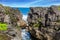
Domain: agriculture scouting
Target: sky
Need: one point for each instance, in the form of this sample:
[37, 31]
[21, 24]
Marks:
[29, 3]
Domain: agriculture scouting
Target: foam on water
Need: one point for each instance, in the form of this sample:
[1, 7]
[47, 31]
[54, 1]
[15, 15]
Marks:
[25, 35]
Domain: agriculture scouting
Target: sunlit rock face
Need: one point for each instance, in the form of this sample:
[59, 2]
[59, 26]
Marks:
[36, 13]
[46, 13]
[50, 19]
[11, 17]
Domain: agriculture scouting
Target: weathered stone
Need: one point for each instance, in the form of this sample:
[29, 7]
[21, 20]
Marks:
[50, 22]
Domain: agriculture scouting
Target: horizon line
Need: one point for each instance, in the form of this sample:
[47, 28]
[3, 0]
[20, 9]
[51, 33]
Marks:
[32, 6]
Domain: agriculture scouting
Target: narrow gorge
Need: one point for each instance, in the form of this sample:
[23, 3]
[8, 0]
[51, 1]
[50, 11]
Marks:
[43, 23]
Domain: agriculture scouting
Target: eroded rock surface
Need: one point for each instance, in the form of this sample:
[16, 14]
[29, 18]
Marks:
[11, 16]
[48, 19]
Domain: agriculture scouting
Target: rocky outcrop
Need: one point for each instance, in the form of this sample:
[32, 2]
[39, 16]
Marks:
[11, 17]
[47, 19]
[46, 13]
[4, 37]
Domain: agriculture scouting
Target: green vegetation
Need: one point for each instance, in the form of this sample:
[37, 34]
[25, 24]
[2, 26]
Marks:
[36, 25]
[1, 5]
[59, 8]
[12, 12]
[3, 26]
[39, 23]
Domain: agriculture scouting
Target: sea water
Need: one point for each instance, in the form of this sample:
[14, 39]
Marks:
[25, 35]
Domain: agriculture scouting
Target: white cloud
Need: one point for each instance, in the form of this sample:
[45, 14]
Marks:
[29, 4]
[35, 3]
[21, 4]
[25, 17]
[57, 4]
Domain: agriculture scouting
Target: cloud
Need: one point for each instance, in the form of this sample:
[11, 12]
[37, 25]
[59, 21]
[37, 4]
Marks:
[35, 3]
[43, 3]
[20, 4]
[25, 17]
[57, 4]
[32, 2]
[12, 4]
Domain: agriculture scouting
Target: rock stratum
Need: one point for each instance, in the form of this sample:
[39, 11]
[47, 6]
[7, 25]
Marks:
[13, 18]
[44, 22]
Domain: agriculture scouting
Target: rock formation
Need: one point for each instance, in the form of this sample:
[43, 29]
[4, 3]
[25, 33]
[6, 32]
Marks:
[12, 17]
[47, 20]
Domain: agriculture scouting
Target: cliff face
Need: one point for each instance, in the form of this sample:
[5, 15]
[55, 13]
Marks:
[12, 17]
[36, 13]
[45, 13]
[47, 19]
[9, 15]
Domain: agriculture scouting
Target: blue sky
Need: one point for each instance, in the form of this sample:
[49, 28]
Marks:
[25, 4]
[29, 3]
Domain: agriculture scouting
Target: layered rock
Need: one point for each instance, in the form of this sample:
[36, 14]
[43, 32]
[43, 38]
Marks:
[48, 19]
[11, 17]
[45, 13]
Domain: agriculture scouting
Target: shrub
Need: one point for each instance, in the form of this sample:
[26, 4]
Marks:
[36, 25]
[3, 26]
[59, 8]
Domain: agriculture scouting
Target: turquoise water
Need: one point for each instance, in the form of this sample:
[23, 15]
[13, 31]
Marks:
[24, 11]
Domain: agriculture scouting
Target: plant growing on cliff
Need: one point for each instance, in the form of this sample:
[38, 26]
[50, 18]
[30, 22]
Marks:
[58, 21]
[38, 24]
[39, 19]
[3, 26]
[59, 8]
[1, 5]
